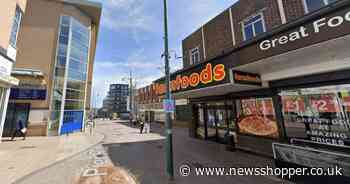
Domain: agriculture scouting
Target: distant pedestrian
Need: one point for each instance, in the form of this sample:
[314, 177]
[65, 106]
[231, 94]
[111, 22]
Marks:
[142, 124]
[20, 129]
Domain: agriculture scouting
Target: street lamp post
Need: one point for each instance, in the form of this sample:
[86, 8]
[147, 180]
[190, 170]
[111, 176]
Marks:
[130, 99]
[168, 123]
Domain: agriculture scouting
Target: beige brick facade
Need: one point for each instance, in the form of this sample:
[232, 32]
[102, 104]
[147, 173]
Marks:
[37, 47]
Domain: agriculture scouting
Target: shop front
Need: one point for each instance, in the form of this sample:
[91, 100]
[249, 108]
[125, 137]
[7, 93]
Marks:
[6, 81]
[285, 94]
[27, 103]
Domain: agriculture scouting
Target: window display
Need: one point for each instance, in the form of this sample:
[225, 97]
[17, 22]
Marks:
[318, 114]
[200, 129]
[256, 116]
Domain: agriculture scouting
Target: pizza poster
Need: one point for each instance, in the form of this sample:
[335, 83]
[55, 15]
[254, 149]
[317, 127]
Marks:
[257, 118]
[258, 106]
[249, 106]
[265, 107]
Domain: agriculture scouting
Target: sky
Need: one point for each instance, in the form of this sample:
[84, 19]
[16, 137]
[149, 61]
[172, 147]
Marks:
[131, 38]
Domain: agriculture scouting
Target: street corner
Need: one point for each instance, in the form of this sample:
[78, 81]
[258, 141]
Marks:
[108, 174]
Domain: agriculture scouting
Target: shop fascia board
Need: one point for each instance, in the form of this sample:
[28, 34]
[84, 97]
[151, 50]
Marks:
[324, 57]
[222, 89]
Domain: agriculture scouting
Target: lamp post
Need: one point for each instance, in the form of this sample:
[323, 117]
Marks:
[130, 99]
[168, 123]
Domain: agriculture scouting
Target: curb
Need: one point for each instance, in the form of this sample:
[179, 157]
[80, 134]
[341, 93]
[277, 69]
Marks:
[60, 161]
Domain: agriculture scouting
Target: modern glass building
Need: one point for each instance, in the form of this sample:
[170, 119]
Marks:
[70, 79]
[55, 67]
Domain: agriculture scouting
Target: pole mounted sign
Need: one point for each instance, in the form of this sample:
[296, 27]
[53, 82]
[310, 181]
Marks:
[169, 105]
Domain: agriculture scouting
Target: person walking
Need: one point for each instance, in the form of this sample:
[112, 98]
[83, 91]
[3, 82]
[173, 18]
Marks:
[20, 129]
[142, 124]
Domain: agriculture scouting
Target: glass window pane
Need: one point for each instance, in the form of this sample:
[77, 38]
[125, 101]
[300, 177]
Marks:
[249, 34]
[77, 85]
[257, 117]
[65, 20]
[62, 50]
[253, 19]
[73, 105]
[313, 5]
[59, 72]
[74, 95]
[63, 40]
[318, 114]
[258, 27]
[15, 27]
[64, 31]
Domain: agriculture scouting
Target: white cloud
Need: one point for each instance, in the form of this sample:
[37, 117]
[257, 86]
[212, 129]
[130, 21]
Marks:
[128, 15]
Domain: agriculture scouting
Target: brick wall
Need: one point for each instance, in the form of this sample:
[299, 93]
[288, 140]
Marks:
[218, 35]
[192, 41]
[293, 9]
[246, 8]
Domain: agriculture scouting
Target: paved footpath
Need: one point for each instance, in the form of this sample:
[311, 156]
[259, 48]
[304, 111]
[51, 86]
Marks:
[126, 157]
[22, 157]
[145, 159]
[92, 166]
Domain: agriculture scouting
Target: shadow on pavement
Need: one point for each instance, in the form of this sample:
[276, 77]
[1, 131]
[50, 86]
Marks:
[146, 160]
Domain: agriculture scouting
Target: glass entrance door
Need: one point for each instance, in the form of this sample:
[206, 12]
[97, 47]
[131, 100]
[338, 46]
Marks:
[15, 112]
[217, 122]
[211, 124]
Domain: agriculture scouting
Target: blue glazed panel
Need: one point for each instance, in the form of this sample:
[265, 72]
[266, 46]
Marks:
[72, 121]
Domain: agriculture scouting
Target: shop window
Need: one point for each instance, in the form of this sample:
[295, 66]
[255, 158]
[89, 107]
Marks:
[253, 26]
[200, 129]
[15, 27]
[256, 116]
[194, 56]
[318, 114]
[313, 5]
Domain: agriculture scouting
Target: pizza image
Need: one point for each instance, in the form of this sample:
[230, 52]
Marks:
[258, 125]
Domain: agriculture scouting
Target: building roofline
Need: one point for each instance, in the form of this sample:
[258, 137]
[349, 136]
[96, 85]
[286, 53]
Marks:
[91, 8]
[83, 2]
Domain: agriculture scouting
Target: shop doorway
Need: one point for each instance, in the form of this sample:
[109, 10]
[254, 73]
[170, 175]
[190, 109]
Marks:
[15, 112]
[214, 122]
[217, 123]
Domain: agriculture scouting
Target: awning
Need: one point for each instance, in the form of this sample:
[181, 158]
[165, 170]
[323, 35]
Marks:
[9, 80]
[28, 78]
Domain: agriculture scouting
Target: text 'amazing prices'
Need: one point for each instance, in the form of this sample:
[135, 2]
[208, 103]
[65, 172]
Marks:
[208, 75]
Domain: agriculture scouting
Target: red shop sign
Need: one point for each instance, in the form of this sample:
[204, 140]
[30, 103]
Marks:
[293, 104]
[326, 103]
[346, 103]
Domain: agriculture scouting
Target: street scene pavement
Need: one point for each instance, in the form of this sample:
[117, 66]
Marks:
[123, 155]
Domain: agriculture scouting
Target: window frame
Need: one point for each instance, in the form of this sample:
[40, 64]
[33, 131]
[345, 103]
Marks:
[19, 10]
[261, 13]
[306, 7]
[192, 53]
